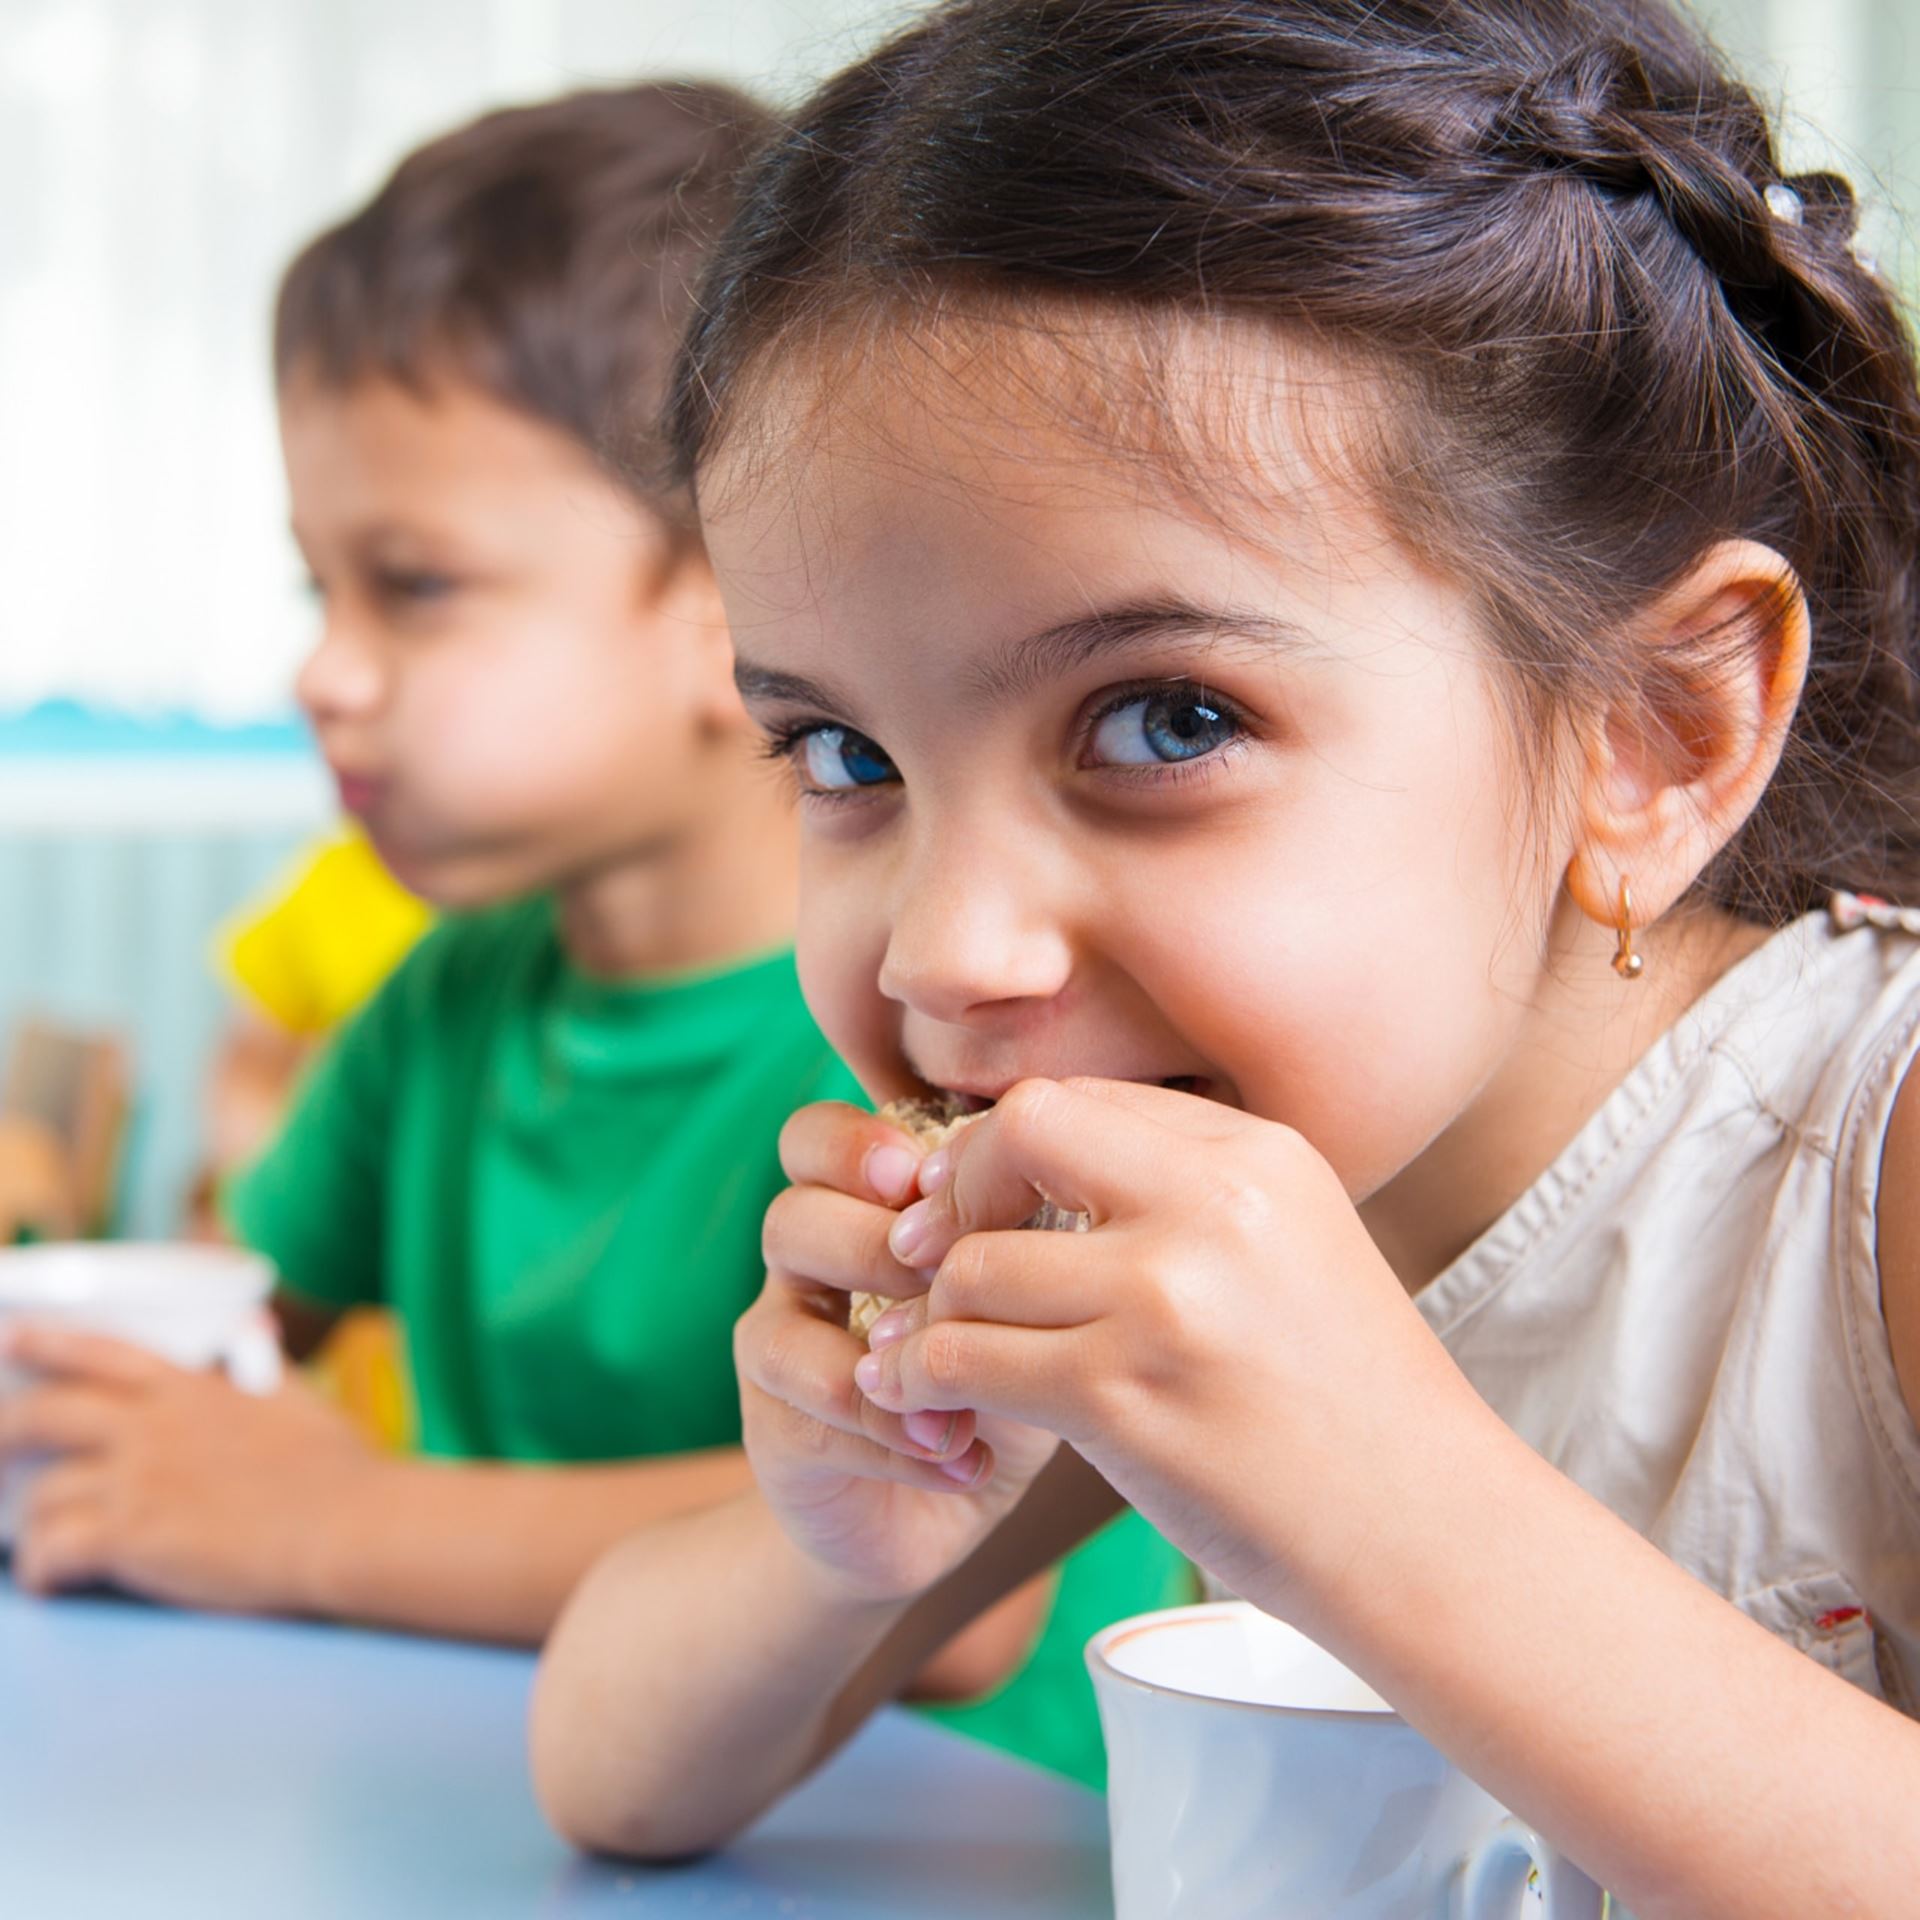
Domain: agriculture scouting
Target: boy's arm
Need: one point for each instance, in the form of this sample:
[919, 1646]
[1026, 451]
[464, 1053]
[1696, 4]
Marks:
[491, 1550]
[707, 1666]
[173, 1484]
[990, 1649]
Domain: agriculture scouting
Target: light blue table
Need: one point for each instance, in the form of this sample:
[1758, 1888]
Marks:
[163, 1766]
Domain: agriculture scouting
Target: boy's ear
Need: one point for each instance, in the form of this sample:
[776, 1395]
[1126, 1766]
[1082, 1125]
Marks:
[1670, 776]
[684, 593]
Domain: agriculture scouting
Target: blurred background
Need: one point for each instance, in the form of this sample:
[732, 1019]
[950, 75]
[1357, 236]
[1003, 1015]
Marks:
[159, 161]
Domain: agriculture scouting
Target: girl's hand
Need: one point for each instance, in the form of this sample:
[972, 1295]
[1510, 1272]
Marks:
[1226, 1345]
[887, 1505]
[171, 1483]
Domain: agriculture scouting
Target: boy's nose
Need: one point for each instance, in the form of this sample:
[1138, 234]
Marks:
[975, 929]
[341, 678]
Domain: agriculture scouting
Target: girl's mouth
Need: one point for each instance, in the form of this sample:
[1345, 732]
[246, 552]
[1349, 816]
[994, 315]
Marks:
[961, 1100]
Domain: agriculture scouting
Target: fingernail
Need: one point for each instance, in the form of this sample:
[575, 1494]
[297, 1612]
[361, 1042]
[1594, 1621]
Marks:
[890, 1173]
[891, 1326]
[968, 1470]
[934, 1431]
[866, 1373]
[911, 1232]
[934, 1170]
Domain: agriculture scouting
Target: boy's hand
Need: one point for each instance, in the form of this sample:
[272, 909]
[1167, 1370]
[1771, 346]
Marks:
[888, 1506]
[1226, 1344]
[170, 1483]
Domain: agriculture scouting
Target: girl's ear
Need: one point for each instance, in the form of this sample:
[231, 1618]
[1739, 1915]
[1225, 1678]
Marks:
[1671, 775]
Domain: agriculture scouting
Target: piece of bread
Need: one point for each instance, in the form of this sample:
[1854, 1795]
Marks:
[933, 1123]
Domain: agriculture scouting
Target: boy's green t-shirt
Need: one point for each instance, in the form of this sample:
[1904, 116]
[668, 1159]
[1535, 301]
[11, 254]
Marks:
[557, 1184]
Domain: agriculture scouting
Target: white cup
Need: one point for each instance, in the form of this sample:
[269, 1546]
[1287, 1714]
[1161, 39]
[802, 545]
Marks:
[196, 1306]
[1250, 1776]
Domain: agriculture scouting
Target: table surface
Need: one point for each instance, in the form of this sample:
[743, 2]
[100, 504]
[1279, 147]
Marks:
[162, 1764]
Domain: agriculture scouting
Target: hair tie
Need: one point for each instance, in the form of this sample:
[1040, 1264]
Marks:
[1784, 204]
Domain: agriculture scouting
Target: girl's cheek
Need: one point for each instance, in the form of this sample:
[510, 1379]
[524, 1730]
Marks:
[840, 943]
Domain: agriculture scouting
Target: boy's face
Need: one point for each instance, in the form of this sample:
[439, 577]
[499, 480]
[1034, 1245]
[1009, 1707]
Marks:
[1098, 783]
[511, 686]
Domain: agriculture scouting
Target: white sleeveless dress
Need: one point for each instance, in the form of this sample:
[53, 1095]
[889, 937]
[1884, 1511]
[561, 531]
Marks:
[1682, 1313]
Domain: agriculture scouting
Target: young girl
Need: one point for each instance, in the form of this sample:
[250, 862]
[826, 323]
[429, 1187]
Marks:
[1339, 581]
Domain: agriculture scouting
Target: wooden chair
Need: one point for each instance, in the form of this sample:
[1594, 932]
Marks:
[64, 1102]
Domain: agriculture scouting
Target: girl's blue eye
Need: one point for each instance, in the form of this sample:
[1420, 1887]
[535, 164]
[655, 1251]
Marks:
[1159, 728]
[838, 758]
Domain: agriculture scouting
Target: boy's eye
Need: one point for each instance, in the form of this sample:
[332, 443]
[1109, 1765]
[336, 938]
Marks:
[837, 758]
[415, 587]
[1180, 723]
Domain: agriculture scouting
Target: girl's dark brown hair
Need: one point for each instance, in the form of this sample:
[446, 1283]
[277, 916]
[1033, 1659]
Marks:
[1547, 222]
[545, 253]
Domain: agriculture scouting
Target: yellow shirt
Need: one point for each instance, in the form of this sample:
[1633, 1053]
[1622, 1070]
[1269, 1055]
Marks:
[331, 933]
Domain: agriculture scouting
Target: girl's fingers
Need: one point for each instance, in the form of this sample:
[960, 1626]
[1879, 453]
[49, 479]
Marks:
[830, 1144]
[1019, 1279]
[1182, 1113]
[853, 1457]
[1047, 1140]
[1020, 1373]
[803, 1366]
[830, 1239]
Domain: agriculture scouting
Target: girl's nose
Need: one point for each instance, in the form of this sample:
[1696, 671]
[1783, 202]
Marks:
[341, 679]
[974, 930]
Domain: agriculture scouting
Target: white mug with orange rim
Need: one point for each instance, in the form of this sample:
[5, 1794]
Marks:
[1250, 1776]
[196, 1306]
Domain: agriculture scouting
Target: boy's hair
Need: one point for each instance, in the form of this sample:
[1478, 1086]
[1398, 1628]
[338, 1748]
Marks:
[1557, 229]
[545, 253]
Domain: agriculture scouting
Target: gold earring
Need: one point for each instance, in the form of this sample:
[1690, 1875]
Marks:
[1626, 963]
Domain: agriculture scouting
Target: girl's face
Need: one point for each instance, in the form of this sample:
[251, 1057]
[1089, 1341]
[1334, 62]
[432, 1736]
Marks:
[1096, 781]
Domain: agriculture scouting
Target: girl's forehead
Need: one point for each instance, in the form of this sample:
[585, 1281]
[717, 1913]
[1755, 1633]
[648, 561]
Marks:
[1020, 445]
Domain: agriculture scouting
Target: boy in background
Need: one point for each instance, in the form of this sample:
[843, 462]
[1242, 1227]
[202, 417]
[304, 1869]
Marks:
[545, 1142]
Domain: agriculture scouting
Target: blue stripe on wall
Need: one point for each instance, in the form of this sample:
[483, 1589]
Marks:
[67, 727]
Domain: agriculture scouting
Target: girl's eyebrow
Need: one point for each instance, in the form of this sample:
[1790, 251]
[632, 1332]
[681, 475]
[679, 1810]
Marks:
[1036, 658]
[764, 683]
[1030, 662]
